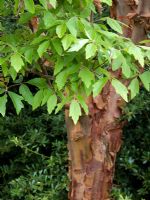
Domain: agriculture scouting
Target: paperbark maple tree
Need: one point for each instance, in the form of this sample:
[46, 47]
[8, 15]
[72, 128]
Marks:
[95, 140]
[84, 66]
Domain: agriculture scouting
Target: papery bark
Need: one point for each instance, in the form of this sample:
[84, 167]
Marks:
[93, 144]
[95, 140]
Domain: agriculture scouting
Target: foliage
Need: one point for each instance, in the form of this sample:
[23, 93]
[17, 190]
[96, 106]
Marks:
[133, 164]
[68, 52]
[33, 156]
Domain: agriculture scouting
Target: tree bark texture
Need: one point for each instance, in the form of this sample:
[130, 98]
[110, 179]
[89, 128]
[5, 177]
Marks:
[95, 140]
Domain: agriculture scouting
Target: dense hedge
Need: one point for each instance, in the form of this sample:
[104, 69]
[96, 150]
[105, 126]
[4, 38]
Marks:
[133, 164]
[33, 155]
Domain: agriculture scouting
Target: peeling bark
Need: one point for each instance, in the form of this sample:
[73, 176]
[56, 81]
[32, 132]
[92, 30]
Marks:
[94, 142]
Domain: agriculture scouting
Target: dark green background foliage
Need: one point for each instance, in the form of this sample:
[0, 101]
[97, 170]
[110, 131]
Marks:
[42, 174]
[26, 175]
[133, 163]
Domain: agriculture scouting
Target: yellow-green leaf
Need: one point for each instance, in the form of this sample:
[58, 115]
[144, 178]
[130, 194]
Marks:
[75, 111]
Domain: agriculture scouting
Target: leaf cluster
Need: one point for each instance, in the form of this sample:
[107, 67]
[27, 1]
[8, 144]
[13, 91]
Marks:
[71, 56]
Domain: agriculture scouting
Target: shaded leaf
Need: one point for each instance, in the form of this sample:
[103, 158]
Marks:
[58, 66]
[86, 76]
[145, 78]
[134, 87]
[37, 99]
[26, 93]
[38, 82]
[42, 48]
[17, 101]
[98, 86]
[3, 101]
[46, 94]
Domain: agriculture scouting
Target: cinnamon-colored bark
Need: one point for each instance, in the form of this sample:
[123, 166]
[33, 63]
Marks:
[94, 142]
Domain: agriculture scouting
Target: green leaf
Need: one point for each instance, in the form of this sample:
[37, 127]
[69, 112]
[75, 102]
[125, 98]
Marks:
[26, 93]
[134, 87]
[3, 101]
[64, 101]
[125, 68]
[46, 94]
[72, 26]
[53, 3]
[67, 41]
[83, 104]
[86, 76]
[16, 62]
[145, 78]
[116, 64]
[75, 111]
[37, 99]
[42, 48]
[120, 89]
[61, 79]
[117, 59]
[49, 19]
[29, 55]
[12, 73]
[29, 5]
[58, 66]
[78, 45]
[44, 3]
[90, 50]
[38, 82]
[137, 53]
[51, 103]
[57, 46]
[17, 101]
[61, 30]
[114, 25]
[108, 2]
[98, 86]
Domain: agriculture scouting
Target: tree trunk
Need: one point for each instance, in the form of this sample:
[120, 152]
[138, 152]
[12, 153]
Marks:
[95, 140]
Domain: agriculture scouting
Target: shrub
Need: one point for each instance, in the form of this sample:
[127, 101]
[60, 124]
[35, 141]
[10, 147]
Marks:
[33, 157]
[133, 163]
